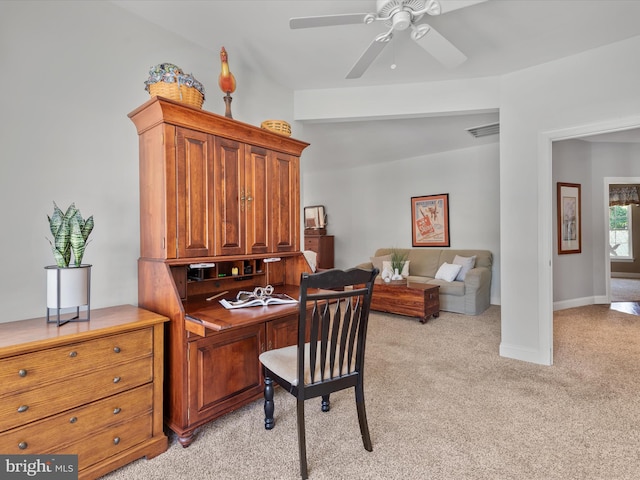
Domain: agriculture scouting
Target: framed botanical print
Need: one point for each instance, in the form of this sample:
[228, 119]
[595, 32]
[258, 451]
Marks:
[430, 220]
[569, 218]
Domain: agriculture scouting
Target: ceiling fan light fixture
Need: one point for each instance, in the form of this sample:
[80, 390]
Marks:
[397, 15]
[419, 31]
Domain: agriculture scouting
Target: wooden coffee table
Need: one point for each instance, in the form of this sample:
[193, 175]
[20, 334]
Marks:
[420, 300]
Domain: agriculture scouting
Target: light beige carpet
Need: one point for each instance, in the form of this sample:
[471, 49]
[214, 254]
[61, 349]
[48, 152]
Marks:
[442, 404]
[625, 289]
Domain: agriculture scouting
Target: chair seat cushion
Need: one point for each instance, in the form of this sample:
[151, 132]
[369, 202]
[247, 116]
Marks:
[284, 363]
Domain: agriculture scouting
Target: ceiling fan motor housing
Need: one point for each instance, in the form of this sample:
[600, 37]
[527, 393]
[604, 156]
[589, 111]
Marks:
[400, 12]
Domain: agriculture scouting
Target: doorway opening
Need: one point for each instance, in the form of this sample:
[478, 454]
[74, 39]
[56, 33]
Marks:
[546, 208]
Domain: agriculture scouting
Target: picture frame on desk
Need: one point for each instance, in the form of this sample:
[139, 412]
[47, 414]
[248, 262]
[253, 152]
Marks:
[315, 218]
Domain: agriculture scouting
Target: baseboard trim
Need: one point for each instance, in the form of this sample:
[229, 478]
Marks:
[581, 302]
[525, 354]
[625, 275]
[574, 302]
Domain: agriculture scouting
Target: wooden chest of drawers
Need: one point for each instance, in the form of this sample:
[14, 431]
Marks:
[93, 388]
[323, 246]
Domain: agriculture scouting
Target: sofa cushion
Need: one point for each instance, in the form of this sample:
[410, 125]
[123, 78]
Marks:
[448, 288]
[467, 264]
[377, 261]
[448, 272]
[424, 262]
[484, 258]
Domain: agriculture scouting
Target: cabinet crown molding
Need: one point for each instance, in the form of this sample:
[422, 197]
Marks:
[160, 110]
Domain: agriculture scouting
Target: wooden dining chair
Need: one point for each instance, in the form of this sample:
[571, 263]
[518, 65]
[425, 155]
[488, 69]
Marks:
[329, 355]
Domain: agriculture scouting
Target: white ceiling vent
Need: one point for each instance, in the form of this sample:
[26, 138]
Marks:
[484, 130]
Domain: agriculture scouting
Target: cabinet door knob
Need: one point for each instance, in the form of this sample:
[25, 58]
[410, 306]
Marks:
[116, 440]
[22, 372]
[116, 379]
[73, 354]
[23, 445]
[23, 408]
[117, 410]
[73, 419]
[116, 349]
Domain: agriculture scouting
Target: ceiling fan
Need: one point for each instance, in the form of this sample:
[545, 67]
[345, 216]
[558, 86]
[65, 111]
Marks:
[398, 15]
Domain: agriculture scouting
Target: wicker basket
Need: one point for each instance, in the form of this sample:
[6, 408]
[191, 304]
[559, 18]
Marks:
[184, 94]
[278, 126]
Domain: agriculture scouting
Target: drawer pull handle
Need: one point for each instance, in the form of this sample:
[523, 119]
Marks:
[116, 349]
[116, 379]
[23, 408]
[117, 410]
[23, 445]
[22, 372]
[116, 440]
[73, 419]
[73, 354]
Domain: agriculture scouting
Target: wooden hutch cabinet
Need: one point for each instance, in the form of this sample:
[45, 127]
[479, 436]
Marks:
[219, 213]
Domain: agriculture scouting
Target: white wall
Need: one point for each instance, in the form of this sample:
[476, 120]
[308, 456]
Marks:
[595, 87]
[370, 207]
[582, 279]
[573, 273]
[72, 73]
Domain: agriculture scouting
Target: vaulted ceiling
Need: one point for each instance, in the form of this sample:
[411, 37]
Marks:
[497, 36]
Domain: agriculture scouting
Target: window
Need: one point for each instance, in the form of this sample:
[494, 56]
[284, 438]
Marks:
[620, 242]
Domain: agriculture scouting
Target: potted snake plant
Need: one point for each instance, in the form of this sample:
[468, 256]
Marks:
[68, 283]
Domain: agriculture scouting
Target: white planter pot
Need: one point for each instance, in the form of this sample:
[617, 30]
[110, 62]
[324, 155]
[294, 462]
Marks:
[68, 287]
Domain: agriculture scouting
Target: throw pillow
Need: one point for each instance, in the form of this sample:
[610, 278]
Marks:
[448, 272]
[386, 265]
[377, 261]
[467, 264]
[405, 269]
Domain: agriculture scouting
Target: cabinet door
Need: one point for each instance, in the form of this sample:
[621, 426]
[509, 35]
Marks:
[224, 371]
[283, 332]
[285, 200]
[256, 204]
[194, 179]
[230, 198]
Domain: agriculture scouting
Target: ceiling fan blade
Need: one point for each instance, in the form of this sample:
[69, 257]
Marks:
[366, 59]
[441, 49]
[451, 5]
[327, 20]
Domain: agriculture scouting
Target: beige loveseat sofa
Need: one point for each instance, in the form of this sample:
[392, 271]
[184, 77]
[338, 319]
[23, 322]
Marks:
[470, 296]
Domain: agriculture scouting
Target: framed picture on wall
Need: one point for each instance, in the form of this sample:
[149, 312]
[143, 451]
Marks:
[569, 218]
[430, 220]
